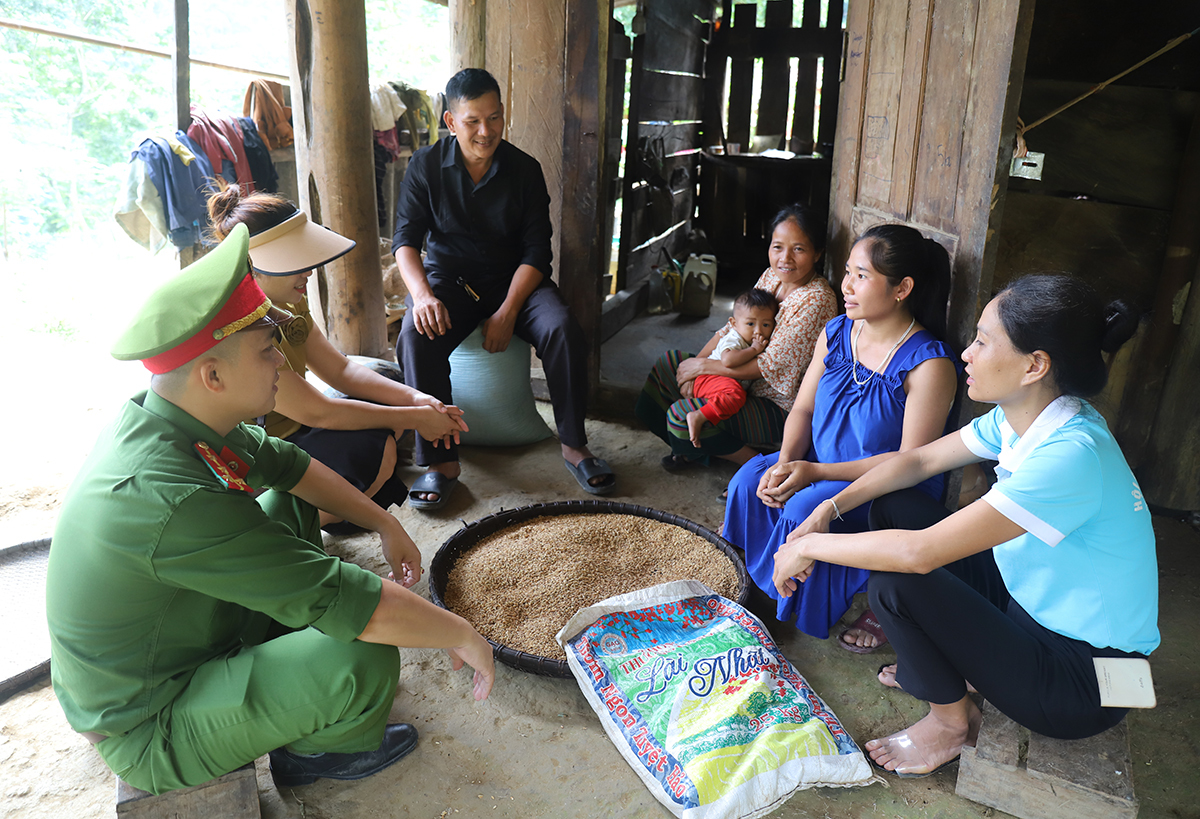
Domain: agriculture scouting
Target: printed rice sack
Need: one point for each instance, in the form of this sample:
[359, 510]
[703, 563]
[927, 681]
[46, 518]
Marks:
[696, 696]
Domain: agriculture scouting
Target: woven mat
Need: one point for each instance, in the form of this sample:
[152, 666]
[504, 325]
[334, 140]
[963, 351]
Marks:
[26, 654]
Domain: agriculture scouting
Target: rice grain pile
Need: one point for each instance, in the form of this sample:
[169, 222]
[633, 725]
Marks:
[520, 585]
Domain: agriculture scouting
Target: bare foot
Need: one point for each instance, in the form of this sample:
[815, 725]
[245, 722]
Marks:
[887, 676]
[695, 422]
[929, 743]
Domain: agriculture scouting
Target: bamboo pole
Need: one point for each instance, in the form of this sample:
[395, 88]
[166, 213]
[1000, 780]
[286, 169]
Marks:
[331, 113]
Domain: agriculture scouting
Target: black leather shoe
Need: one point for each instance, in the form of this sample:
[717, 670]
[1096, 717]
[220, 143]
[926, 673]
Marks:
[289, 769]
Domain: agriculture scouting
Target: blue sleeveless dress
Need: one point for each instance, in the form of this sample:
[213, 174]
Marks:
[850, 422]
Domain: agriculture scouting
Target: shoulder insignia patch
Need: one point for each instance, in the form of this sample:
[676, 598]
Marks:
[228, 468]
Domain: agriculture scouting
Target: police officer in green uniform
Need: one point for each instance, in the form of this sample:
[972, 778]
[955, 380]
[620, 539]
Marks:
[196, 623]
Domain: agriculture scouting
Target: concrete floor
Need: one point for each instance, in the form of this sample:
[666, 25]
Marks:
[535, 749]
[626, 358]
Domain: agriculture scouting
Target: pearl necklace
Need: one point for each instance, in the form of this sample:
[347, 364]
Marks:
[886, 358]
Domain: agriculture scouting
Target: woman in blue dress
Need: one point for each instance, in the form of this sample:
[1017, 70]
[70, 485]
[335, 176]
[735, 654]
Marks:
[1020, 591]
[881, 382]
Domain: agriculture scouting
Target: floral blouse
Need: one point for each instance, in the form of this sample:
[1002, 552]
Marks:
[800, 319]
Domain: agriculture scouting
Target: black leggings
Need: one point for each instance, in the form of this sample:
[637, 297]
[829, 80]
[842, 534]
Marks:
[958, 623]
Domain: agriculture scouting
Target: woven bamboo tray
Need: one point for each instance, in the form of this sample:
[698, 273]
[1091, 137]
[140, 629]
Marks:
[466, 538]
[26, 655]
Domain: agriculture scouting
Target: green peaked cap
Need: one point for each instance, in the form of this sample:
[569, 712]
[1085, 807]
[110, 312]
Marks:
[184, 305]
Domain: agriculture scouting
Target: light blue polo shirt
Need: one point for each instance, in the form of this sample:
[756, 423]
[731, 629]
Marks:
[1086, 567]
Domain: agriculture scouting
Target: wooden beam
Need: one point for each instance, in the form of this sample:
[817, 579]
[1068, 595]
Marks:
[1001, 43]
[331, 114]
[778, 42]
[180, 58]
[632, 138]
[844, 184]
[468, 33]
[581, 258]
[181, 93]
[131, 48]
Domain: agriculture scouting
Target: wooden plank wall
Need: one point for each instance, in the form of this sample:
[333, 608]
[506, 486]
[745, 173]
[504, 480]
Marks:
[927, 116]
[739, 195]
[666, 105]
[526, 53]
[739, 41]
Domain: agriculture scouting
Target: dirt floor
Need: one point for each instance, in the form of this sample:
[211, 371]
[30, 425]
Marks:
[534, 748]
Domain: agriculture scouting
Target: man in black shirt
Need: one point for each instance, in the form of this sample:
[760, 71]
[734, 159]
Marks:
[483, 205]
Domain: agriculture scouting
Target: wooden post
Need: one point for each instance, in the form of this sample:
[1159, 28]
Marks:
[632, 137]
[468, 32]
[181, 61]
[581, 258]
[331, 114]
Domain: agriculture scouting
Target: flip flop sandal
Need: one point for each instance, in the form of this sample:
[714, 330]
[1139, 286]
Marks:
[678, 463]
[432, 482]
[584, 471]
[866, 622]
[879, 671]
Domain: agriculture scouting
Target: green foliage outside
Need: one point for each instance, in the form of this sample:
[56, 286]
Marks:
[71, 113]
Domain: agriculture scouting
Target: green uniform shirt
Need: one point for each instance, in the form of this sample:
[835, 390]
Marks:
[156, 567]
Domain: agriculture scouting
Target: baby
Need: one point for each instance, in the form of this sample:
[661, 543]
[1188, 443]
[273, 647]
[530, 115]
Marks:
[744, 338]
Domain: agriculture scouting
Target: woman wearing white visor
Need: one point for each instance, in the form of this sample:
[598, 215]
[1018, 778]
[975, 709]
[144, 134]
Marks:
[354, 436]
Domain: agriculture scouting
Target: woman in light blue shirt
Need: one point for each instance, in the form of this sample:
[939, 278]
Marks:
[1018, 592]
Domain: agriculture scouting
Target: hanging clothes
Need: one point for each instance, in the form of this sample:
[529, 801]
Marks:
[259, 157]
[264, 104]
[420, 111]
[389, 142]
[180, 186]
[386, 107]
[222, 140]
[139, 208]
[200, 158]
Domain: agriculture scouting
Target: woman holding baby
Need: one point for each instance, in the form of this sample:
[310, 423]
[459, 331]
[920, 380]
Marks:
[805, 303]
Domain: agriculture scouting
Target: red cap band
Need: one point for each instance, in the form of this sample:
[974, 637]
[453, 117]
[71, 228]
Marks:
[246, 299]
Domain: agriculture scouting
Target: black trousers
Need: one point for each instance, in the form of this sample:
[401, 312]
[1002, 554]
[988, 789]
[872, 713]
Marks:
[545, 322]
[958, 623]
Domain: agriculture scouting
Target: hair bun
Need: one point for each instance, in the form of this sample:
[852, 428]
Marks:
[1120, 323]
[222, 203]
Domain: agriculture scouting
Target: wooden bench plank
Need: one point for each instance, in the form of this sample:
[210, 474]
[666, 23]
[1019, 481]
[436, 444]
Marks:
[232, 796]
[999, 738]
[1100, 763]
[1049, 779]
